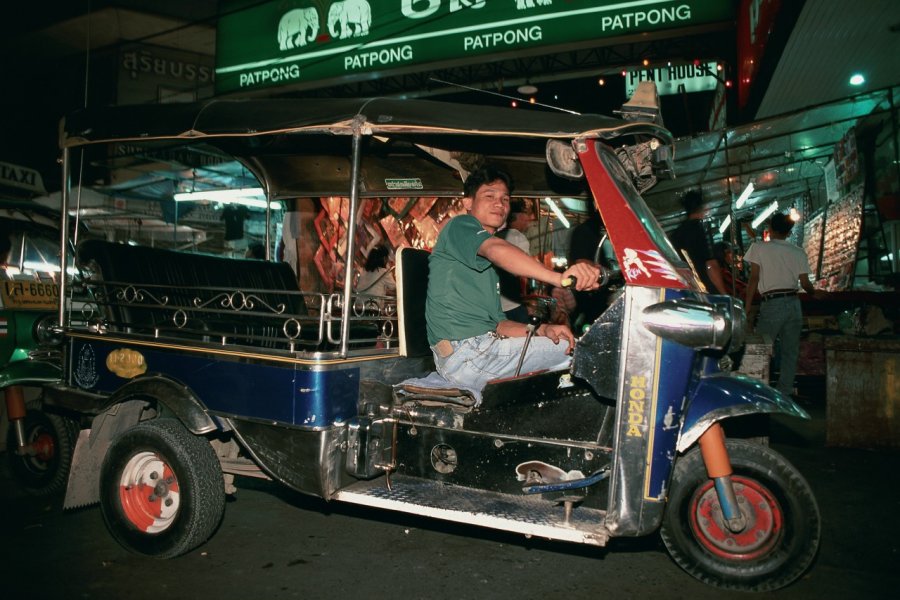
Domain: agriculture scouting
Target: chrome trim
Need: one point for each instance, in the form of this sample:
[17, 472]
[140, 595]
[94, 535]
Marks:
[358, 123]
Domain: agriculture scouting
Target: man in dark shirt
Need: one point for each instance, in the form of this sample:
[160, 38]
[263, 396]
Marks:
[584, 246]
[691, 238]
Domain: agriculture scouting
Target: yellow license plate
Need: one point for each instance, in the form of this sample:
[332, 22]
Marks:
[33, 295]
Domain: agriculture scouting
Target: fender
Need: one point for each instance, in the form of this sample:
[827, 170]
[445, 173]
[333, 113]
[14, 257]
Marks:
[177, 398]
[120, 411]
[723, 395]
[25, 372]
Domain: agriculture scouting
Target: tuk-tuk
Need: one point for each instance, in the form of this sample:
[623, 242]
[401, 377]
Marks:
[190, 368]
[38, 443]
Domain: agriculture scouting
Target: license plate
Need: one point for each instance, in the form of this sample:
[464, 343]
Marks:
[29, 295]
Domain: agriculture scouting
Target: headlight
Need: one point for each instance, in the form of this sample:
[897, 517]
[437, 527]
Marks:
[46, 331]
[691, 323]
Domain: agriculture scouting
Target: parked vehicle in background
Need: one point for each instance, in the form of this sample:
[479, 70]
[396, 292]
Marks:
[190, 369]
[38, 443]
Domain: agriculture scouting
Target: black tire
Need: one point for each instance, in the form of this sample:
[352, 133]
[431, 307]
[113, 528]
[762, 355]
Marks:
[45, 470]
[783, 530]
[185, 502]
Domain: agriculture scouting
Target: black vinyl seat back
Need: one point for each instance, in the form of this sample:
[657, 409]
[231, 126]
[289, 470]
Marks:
[141, 287]
[412, 288]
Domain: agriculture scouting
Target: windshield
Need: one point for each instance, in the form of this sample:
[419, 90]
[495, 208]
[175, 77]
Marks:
[30, 266]
[33, 254]
[640, 208]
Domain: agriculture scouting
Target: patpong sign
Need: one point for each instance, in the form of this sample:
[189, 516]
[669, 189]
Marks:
[307, 43]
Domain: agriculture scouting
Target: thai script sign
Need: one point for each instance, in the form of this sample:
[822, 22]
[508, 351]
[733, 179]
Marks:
[312, 41]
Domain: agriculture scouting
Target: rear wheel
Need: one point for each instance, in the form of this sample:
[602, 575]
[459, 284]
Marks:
[782, 529]
[162, 492]
[43, 469]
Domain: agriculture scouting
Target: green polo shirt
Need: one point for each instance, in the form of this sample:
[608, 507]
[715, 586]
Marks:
[463, 288]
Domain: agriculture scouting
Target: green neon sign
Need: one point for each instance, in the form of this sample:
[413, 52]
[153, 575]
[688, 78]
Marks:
[280, 43]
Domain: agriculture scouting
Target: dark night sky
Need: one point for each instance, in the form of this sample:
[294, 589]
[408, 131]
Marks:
[39, 92]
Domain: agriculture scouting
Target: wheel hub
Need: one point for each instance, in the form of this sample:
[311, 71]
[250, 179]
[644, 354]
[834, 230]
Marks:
[43, 447]
[149, 493]
[760, 509]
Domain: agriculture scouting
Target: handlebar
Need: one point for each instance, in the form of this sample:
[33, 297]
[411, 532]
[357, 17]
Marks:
[571, 280]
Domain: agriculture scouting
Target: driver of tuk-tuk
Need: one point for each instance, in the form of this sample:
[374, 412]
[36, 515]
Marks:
[470, 338]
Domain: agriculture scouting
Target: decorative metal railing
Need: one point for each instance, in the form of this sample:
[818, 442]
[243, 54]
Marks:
[261, 318]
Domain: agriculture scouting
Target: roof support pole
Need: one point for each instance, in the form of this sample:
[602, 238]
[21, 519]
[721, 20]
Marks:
[64, 236]
[347, 310]
[267, 255]
[732, 234]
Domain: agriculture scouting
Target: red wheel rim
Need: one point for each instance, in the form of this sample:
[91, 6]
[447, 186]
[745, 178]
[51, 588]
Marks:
[149, 493]
[44, 448]
[762, 512]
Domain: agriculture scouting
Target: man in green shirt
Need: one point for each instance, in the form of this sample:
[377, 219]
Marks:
[470, 338]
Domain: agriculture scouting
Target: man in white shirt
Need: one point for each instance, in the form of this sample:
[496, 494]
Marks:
[510, 285]
[776, 267]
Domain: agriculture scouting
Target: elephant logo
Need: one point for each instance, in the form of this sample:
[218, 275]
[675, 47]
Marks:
[523, 4]
[349, 18]
[293, 27]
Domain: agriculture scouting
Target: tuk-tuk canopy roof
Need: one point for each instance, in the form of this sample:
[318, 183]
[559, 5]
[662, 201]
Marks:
[252, 117]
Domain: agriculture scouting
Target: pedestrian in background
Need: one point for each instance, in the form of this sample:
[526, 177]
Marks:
[776, 268]
[732, 270]
[377, 279]
[584, 246]
[691, 238]
[510, 285]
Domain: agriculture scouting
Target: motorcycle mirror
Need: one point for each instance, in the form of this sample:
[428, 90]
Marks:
[562, 160]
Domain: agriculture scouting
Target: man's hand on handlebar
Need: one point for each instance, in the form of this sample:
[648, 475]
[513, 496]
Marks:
[586, 277]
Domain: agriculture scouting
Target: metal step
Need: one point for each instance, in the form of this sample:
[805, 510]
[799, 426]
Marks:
[528, 515]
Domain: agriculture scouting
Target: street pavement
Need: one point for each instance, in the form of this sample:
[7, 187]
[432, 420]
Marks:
[274, 543]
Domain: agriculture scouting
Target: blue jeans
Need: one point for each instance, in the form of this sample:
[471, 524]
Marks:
[782, 319]
[479, 359]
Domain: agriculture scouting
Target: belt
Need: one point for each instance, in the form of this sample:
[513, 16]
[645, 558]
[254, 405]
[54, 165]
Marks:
[774, 295]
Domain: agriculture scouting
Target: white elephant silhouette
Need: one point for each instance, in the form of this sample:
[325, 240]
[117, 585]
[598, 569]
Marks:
[354, 17]
[523, 4]
[293, 26]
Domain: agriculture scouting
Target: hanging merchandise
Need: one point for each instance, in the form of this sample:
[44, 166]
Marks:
[842, 229]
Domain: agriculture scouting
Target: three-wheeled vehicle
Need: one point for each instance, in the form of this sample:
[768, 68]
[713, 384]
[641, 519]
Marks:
[192, 368]
[38, 443]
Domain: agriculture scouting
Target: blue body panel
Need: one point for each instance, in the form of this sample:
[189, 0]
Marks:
[675, 360]
[232, 385]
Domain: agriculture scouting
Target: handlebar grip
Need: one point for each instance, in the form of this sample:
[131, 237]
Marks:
[571, 280]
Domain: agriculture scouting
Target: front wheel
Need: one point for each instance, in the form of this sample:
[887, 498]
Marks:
[43, 468]
[161, 489]
[782, 529]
